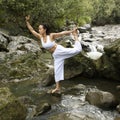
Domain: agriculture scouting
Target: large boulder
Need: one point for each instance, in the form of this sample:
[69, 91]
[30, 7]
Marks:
[10, 107]
[101, 99]
[113, 55]
[24, 60]
[107, 66]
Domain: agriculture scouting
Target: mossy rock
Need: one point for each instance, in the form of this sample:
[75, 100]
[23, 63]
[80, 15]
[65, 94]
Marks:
[10, 107]
[14, 110]
[5, 97]
[24, 66]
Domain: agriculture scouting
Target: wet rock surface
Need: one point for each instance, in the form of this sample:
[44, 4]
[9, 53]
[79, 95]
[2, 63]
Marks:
[73, 106]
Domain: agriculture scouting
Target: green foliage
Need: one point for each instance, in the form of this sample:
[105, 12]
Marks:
[116, 12]
[104, 10]
[83, 20]
[56, 12]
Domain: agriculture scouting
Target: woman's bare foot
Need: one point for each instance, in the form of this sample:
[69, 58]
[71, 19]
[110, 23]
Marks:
[56, 90]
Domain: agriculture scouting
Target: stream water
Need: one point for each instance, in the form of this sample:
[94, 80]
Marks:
[71, 105]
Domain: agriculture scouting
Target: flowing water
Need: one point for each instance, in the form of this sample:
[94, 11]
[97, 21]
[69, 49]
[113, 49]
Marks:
[71, 105]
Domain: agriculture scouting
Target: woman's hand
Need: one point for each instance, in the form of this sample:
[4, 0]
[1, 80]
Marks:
[27, 18]
[75, 31]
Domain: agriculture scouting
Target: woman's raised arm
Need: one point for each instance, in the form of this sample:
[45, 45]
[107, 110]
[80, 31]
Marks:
[36, 34]
[59, 34]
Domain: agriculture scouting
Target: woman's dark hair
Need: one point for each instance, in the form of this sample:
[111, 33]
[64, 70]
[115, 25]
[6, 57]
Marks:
[45, 26]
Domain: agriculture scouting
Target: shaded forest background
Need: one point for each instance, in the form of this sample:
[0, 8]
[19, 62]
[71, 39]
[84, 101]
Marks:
[56, 13]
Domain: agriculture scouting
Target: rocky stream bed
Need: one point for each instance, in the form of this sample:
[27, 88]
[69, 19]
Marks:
[90, 91]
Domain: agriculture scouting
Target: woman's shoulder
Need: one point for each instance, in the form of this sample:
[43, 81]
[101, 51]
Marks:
[40, 36]
[51, 35]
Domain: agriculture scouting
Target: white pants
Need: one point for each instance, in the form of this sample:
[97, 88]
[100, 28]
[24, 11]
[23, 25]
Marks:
[59, 55]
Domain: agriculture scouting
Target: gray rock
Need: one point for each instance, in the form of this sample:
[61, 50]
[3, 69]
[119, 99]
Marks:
[42, 108]
[21, 43]
[118, 108]
[101, 99]
[3, 42]
[118, 87]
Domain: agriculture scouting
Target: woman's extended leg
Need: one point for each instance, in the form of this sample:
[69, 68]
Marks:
[60, 55]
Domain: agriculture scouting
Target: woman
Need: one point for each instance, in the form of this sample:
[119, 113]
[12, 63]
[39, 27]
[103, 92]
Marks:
[59, 53]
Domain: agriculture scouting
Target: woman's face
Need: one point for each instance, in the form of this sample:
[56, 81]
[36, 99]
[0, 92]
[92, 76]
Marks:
[41, 29]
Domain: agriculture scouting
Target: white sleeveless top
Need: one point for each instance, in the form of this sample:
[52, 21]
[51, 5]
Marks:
[48, 44]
